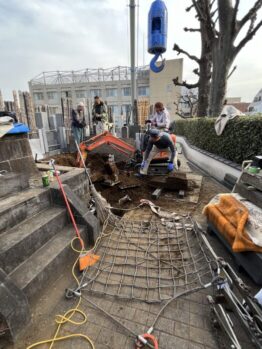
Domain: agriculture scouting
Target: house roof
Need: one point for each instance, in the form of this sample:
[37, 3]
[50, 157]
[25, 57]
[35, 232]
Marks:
[242, 106]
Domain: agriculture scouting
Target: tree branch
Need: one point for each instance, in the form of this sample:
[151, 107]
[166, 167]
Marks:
[234, 18]
[178, 112]
[190, 8]
[196, 71]
[185, 84]
[198, 10]
[183, 116]
[179, 50]
[212, 14]
[247, 38]
[210, 24]
[192, 30]
[232, 71]
[252, 23]
[250, 13]
[211, 4]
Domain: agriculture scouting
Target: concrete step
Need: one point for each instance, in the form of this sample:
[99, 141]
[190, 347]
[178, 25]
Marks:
[21, 241]
[16, 208]
[44, 266]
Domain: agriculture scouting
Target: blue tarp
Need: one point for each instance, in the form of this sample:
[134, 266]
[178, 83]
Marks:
[18, 128]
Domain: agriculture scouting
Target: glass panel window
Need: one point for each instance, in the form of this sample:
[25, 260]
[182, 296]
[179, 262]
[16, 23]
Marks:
[115, 109]
[143, 91]
[52, 95]
[53, 110]
[126, 108]
[111, 92]
[80, 94]
[126, 91]
[66, 94]
[95, 92]
[38, 96]
[118, 119]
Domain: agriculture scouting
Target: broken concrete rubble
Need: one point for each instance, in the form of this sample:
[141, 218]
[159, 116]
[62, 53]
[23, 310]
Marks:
[124, 200]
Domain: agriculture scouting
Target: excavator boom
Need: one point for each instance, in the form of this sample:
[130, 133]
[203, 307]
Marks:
[105, 138]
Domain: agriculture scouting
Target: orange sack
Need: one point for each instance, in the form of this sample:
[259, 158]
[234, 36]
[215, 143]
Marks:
[229, 217]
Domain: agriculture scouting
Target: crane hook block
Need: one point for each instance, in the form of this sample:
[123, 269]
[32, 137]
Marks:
[157, 68]
[157, 33]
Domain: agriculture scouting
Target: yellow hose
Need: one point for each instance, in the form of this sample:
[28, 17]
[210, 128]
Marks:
[67, 317]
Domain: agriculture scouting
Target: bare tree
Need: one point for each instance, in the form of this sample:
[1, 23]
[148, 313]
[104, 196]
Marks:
[205, 61]
[187, 104]
[219, 29]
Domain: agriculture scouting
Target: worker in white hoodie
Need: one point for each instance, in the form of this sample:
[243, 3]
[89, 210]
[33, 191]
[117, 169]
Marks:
[161, 117]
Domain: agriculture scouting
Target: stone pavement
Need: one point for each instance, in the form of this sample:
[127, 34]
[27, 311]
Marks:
[184, 325]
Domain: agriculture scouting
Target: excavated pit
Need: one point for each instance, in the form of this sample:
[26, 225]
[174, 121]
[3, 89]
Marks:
[140, 188]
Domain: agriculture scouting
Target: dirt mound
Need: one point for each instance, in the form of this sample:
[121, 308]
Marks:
[66, 159]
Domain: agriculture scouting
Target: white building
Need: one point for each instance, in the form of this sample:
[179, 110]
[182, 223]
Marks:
[256, 105]
[112, 85]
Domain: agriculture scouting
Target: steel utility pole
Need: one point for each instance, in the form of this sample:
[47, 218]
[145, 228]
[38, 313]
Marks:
[132, 6]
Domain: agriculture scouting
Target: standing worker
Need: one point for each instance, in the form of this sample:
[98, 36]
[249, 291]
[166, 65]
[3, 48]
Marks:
[100, 116]
[161, 117]
[158, 142]
[78, 122]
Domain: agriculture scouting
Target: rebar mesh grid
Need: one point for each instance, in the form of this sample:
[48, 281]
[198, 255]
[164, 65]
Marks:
[148, 261]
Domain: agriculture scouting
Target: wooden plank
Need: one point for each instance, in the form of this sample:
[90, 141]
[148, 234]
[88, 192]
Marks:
[252, 179]
[129, 186]
[255, 196]
[46, 167]
[176, 181]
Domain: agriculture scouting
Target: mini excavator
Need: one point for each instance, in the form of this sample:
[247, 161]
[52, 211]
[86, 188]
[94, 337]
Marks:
[134, 156]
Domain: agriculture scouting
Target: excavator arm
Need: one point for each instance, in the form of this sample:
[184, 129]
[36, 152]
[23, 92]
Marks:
[105, 138]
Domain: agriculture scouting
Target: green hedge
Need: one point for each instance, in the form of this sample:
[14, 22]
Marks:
[241, 139]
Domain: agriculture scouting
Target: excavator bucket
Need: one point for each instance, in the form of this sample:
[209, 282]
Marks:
[105, 138]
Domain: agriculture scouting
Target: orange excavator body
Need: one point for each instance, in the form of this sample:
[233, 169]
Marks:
[106, 138]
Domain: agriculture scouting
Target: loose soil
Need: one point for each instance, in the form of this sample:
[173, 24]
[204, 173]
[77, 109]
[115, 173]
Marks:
[97, 164]
[66, 159]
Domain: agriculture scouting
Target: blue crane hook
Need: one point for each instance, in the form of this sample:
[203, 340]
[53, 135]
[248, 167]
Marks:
[157, 68]
[157, 33]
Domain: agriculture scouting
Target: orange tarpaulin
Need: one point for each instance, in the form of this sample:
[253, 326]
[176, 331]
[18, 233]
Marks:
[229, 217]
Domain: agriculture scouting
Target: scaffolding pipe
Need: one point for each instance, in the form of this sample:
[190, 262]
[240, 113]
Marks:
[132, 6]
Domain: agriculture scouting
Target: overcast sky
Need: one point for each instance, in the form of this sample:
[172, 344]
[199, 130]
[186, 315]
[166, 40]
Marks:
[43, 35]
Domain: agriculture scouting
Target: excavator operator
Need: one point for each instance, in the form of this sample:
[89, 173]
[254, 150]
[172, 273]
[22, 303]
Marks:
[158, 142]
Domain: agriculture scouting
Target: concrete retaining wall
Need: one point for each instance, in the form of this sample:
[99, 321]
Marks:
[214, 165]
[16, 155]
